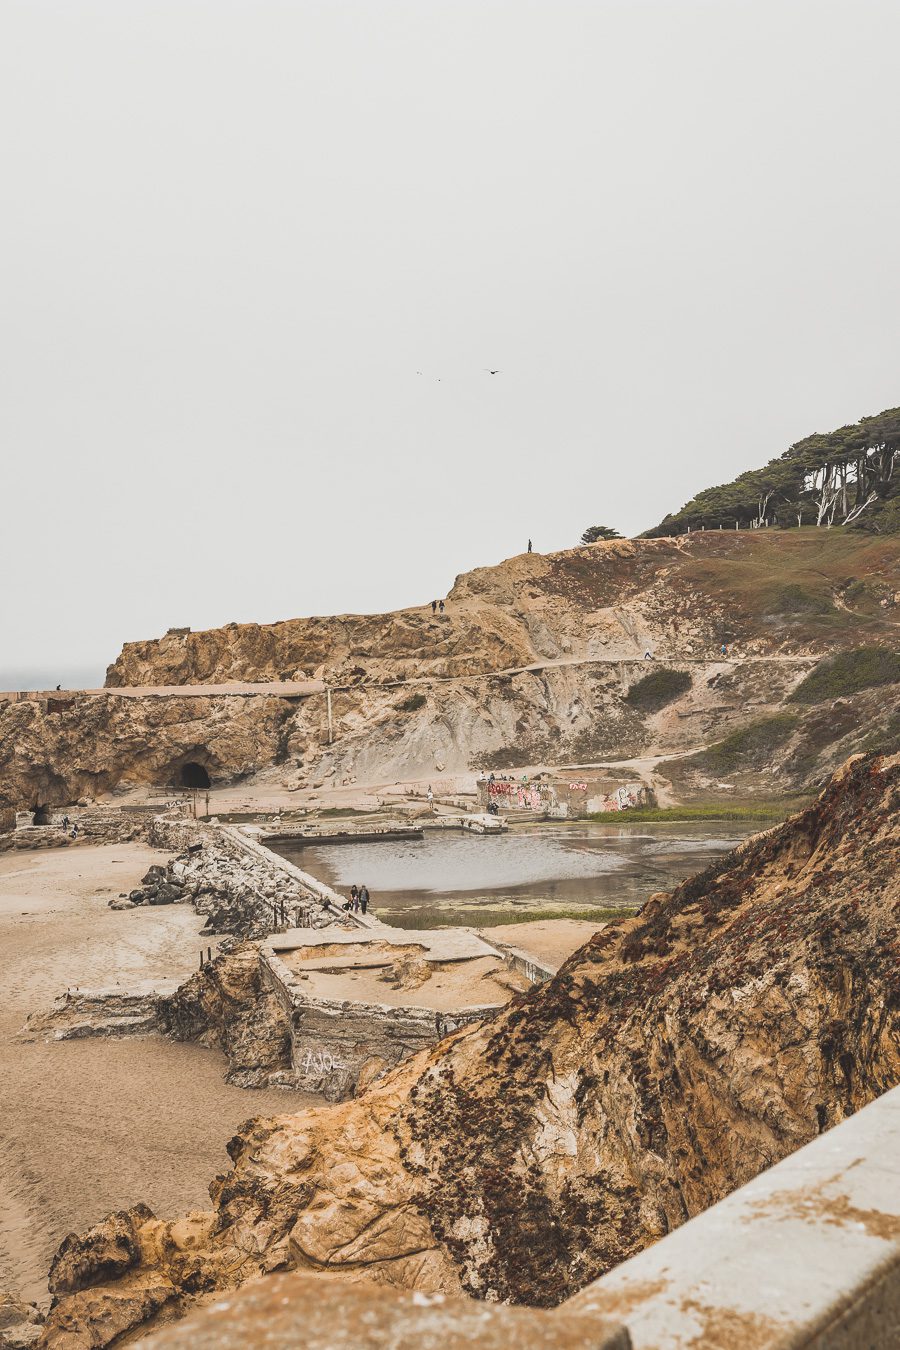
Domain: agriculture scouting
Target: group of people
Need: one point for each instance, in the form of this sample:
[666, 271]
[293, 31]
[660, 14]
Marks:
[358, 902]
[437, 605]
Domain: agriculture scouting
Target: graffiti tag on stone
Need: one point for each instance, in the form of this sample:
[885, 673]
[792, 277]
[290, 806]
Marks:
[321, 1061]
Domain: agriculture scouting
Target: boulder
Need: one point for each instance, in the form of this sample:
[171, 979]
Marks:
[20, 1323]
[97, 1317]
[102, 1253]
[166, 894]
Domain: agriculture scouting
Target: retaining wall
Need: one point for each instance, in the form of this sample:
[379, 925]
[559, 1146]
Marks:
[338, 1046]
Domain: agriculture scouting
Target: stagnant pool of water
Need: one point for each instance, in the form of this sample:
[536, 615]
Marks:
[455, 878]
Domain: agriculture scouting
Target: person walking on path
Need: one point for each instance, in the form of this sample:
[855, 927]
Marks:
[441, 606]
[353, 902]
[529, 545]
[434, 607]
[364, 898]
[431, 798]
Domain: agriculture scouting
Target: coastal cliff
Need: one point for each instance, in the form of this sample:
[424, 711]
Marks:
[767, 591]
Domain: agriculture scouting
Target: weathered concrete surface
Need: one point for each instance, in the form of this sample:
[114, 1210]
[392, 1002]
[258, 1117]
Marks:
[805, 1255]
[341, 1046]
[103, 1012]
[285, 1312]
[437, 944]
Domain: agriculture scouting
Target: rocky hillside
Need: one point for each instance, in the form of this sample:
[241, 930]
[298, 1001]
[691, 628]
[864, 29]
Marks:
[54, 752]
[766, 591]
[668, 1061]
[583, 619]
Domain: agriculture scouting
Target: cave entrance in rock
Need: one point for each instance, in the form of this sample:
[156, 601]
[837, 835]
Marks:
[42, 815]
[193, 775]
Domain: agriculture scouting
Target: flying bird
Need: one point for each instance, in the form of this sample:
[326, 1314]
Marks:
[492, 372]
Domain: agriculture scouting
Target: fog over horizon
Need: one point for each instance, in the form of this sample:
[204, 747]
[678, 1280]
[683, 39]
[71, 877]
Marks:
[259, 257]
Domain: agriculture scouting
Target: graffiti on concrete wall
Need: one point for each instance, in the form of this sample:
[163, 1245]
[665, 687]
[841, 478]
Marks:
[560, 799]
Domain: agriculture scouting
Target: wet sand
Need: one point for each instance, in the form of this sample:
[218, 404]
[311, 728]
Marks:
[90, 1126]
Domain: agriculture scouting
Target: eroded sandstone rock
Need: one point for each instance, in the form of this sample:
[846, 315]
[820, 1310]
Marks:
[20, 1323]
[225, 1005]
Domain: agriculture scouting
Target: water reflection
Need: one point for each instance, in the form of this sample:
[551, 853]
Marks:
[450, 878]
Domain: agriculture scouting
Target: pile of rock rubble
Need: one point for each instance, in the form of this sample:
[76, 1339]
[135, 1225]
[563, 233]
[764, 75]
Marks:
[238, 893]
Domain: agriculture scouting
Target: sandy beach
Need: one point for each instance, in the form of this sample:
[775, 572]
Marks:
[96, 1125]
[552, 940]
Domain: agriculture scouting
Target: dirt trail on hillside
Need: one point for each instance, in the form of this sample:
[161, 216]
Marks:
[92, 1126]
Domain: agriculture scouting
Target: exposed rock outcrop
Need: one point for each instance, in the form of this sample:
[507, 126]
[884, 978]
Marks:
[776, 598]
[20, 1323]
[668, 1061]
[226, 1005]
[55, 753]
[609, 599]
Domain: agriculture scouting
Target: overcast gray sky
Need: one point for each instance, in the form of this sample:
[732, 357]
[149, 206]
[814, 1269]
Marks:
[233, 232]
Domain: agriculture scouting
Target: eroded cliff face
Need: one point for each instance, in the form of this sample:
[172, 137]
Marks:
[668, 1061]
[768, 591]
[55, 752]
[779, 599]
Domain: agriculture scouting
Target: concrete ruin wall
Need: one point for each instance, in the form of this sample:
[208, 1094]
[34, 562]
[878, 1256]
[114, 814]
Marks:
[563, 798]
[338, 1047]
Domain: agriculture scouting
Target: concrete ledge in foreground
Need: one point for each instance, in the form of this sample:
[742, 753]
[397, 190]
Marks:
[805, 1255]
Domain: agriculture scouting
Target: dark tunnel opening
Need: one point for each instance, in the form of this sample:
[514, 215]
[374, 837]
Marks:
[193, 775]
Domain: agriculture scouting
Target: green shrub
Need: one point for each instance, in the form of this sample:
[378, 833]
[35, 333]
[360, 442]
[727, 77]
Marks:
[411, 703]
[847, 672]
[750, 745]
[657, 689]
[795, 600]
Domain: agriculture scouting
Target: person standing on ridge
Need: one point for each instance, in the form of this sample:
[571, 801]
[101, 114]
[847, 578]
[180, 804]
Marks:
[434, 607]
[529, 545]
[441, 606]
